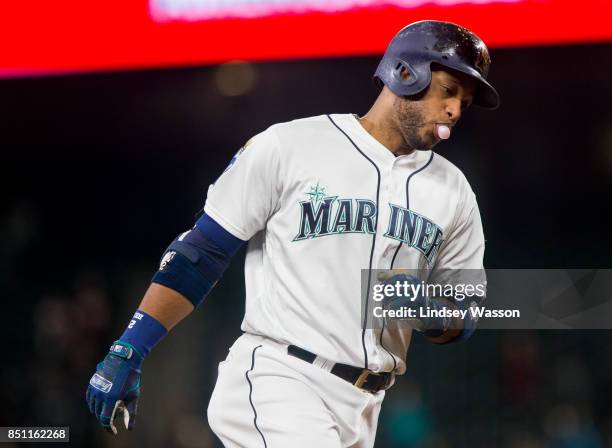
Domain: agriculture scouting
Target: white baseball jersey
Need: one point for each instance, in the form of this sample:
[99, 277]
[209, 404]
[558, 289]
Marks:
[320, 199]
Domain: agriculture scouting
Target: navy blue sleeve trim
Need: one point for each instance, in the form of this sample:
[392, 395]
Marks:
[217, 235]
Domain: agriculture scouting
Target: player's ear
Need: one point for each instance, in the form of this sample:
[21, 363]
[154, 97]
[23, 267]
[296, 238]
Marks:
[404, 74]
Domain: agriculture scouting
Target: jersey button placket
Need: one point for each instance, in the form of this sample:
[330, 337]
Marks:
[396, 196]
[386, 189]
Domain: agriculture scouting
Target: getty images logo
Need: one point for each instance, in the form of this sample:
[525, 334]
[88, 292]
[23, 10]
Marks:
[138, 316]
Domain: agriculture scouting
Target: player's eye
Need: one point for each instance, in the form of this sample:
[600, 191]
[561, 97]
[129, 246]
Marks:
[447, 90]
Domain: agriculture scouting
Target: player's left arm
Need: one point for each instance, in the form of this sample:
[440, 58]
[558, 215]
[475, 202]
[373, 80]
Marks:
[459, 265]
[460, 262]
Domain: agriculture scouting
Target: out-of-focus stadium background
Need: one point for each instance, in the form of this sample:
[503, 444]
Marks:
[100, 171]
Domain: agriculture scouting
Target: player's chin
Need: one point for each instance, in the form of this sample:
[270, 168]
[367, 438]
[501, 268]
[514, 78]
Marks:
[427, 143]
[428, 147]
[422, 142]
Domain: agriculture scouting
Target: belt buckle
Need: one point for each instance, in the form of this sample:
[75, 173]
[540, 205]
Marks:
[363, 378]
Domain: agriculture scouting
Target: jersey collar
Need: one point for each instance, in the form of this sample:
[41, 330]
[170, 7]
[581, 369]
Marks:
[373, 148]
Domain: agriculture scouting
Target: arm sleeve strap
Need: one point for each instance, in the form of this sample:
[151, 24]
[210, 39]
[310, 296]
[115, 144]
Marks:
[194, 262]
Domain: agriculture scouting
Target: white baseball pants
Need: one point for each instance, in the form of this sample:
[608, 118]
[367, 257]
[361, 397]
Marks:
[265, 398]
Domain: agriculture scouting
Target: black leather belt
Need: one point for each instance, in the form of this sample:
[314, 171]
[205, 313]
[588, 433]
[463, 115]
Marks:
[362, 378]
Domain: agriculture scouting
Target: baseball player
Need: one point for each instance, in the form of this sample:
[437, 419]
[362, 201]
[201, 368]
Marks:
[318, 200]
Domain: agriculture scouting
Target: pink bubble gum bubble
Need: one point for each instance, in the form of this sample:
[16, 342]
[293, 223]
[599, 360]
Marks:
[443, 131]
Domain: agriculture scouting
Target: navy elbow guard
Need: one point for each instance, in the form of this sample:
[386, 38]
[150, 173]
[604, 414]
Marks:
[194, 262]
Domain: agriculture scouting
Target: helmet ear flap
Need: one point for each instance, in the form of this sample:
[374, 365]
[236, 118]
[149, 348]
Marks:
[408, 79]
[403, 74]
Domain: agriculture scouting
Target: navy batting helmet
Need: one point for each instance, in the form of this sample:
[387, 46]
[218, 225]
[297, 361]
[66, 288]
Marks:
[420, 44]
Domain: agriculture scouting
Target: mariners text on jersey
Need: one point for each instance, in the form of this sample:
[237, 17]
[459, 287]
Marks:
[333, 216]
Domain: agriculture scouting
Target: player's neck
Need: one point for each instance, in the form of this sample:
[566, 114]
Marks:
[377, 127]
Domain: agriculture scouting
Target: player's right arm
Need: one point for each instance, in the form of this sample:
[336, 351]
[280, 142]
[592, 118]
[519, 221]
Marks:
[237, 206]
[189, 269]
[166, 305]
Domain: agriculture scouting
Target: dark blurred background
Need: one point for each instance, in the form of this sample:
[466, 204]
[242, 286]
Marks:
[100, 172]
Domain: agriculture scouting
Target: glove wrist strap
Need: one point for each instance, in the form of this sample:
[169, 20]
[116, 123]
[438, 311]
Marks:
[125, 351]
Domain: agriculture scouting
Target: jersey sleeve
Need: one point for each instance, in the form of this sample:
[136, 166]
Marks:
[464, 246]
[246, 194]
[460, 261]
